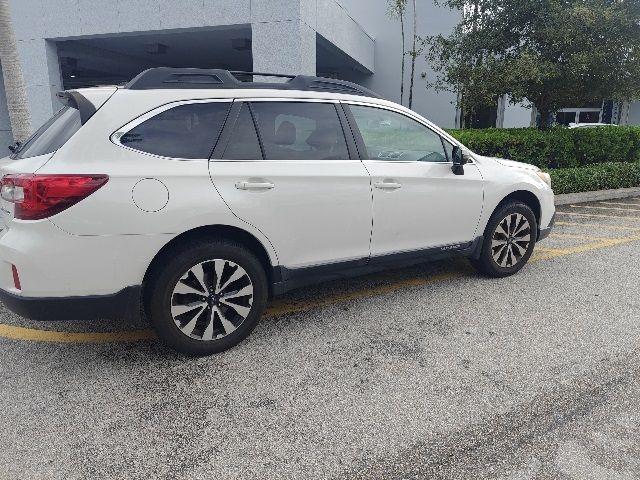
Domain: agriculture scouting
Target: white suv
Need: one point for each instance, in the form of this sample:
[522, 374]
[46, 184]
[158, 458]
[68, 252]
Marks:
[193, 197]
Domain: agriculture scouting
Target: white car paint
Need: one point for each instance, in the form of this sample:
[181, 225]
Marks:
[445, 207]
[318, 213]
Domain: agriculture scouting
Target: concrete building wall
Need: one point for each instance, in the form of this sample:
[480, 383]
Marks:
[6, 138]
[283, 33]
[516, 116]
[633, 114]
[335, 23]
[372, 15]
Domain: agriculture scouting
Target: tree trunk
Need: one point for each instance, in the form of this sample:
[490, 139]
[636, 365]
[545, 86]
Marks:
[413, 54]
[403, 58]
[544, 112]
[13, 79]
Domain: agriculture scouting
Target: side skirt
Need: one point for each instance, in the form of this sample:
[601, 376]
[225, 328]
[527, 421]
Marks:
[292, 278]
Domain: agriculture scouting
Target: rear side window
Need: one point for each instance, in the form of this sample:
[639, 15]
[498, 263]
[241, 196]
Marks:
[300, 131]
[52, 135]
[244, 143]
[186, 131]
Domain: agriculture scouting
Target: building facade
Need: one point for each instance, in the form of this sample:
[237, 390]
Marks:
[66, 44]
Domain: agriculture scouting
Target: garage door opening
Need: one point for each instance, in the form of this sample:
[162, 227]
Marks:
[113, 60]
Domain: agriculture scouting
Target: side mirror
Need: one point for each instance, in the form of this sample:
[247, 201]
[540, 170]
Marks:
[459, 160]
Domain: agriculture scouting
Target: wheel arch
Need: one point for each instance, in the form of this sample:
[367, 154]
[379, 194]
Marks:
[528, 198]
[215, 232]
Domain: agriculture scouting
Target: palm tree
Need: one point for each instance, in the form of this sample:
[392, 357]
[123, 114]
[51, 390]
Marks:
[414, 53]
[397, 9]
[13, 79]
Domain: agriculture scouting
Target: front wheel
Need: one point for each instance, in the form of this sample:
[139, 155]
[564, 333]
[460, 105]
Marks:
[509, 240]
[207, 297]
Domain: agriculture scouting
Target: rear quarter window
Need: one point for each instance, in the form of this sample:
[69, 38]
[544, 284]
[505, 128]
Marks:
[186, 131]
[52, 135]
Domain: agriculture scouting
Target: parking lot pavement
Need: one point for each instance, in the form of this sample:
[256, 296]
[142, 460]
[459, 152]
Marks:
[425, 372]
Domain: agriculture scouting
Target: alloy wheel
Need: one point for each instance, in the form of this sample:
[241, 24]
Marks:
[212, 299]
[511, 240]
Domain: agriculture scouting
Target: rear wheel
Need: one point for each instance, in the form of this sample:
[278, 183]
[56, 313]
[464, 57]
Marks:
[509, 240]
[207, 297]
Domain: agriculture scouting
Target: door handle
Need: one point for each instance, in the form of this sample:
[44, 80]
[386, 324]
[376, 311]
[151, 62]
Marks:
[254, 185]
[387, 185]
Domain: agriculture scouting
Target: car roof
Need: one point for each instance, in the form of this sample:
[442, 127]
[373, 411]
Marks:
[218, 79]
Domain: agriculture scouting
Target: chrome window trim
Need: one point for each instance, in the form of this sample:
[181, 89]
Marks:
[288, 100]
[119, 133]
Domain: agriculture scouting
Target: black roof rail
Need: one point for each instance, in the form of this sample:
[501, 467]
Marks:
[193, 78]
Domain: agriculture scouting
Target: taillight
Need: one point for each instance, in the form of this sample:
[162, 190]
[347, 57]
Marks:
[41, 196]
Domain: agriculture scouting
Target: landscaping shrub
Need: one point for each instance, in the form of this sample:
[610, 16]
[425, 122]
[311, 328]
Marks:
[601, 176]
[608, 144]
[557, 147]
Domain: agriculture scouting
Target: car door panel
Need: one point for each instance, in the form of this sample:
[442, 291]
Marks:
[432, 207]
[313, 211]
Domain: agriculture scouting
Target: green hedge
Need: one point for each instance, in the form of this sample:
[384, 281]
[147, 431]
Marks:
[557, 147]
[595, 177]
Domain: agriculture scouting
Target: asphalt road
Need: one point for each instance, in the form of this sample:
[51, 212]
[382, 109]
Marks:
[426, 372]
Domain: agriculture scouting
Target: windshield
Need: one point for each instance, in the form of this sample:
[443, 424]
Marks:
[52, 135]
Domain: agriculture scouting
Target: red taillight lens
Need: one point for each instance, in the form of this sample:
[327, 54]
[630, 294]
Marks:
[41, 196]
[16, 278]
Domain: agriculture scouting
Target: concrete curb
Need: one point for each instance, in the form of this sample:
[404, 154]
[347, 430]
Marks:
[582, 197]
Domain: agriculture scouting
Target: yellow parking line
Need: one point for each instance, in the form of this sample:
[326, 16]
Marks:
[596, 215]
[279, 308]
[37, 335]
[598, 225]
[607, 208]
[577, 237]
[632, 204]
[287, 306]
[547, 253]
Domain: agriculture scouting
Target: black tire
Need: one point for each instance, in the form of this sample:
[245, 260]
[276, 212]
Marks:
[159, 296]
[486, 264]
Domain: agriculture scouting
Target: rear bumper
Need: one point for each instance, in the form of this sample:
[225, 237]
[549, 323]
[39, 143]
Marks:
[123, 304]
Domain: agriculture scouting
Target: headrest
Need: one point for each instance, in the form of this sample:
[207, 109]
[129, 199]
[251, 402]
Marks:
[323, 138]
[286, 134]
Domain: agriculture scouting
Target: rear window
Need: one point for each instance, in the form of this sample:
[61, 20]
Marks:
[52, 135]
[186, 131]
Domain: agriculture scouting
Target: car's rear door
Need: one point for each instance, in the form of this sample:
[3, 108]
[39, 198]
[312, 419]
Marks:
[287, 168]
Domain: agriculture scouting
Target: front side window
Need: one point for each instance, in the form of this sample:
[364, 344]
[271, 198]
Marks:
[186, 131]
[53, 134]
[300, 131]
[392, 136]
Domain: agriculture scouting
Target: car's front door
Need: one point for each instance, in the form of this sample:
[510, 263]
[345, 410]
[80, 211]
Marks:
[418, 202]
[295, 180]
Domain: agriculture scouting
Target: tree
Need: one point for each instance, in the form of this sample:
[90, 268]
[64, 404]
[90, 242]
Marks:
[414, 53]
[13, 79]
[553, 53]
[397, 9]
